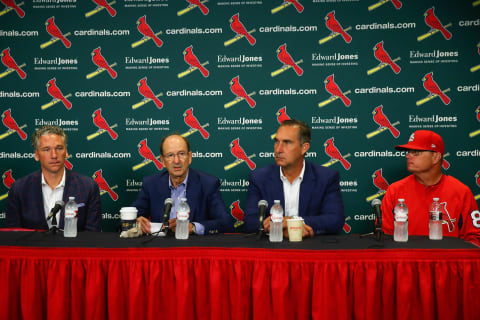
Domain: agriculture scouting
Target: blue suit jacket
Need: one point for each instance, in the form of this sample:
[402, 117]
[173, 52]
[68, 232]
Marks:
[25, 202]
[203, 197]
[320, 202]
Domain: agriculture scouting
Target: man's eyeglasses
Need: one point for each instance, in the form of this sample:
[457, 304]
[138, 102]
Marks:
[171, 156]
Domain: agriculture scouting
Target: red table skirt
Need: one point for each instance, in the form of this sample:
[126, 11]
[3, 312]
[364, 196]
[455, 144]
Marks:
[226, 283]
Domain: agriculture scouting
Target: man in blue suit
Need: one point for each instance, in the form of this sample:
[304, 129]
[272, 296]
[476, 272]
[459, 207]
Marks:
[31, 198]
[304, 189]
[208, 214]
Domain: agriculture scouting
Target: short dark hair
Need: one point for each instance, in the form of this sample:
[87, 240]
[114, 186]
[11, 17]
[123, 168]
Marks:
[174, 134]
[304, 134]
[48, 130]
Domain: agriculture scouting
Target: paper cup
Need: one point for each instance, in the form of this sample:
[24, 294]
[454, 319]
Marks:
[128, 218]
[295, 229]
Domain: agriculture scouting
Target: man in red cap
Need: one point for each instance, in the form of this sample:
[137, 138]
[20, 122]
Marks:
[461, 217]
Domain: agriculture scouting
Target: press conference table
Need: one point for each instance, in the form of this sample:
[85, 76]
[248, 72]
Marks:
[236, 276]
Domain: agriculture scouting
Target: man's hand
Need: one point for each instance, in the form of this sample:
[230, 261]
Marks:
[145, 223]
[266, 224]
[172, 224]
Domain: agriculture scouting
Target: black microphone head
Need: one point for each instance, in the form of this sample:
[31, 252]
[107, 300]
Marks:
[376, 202]
[262, 203]
[169, 201]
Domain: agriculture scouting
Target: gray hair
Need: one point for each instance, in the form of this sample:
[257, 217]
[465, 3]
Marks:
[47, 130]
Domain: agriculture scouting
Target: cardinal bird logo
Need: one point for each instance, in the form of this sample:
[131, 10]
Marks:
[433, 89]
[147, 154]
[103, 4]
[287, 60]
[335, 27]
[477, 111]
[68, 164]
[10, 63]
[335, 91]
[12, 5]
[382, 56]
[12, 125]
[238, 152]
[434, 23]
[396, 3]
[298, 6]
[282, 115]
[55, 32]
[147, 32]
[477, 178]
[8, 178]
[381, 119]
[147, 93]
[237, 26]
[379, 181]
[103, 185]
[197, 3]
[447, 218]
[238, 90]
[192, 122]
[192, 60]
[54, 91]
[237, 212]
[102, 63]
[334, 154]
[102, 124]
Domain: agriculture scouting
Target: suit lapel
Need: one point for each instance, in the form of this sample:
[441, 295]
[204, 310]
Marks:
[193, 192]
[306, 189]
[277, 186]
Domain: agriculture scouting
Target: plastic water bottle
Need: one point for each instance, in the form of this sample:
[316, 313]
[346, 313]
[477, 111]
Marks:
[276, 222]
[70, 223]
[435, 224]
[400, 231]
[183, 216]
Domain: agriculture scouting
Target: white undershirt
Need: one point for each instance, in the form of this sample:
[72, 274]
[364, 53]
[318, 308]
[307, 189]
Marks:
[291, 192]
[51, 196]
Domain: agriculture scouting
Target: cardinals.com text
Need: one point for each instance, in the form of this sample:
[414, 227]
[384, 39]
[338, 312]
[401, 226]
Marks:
[16, 155]
[102, 32]
[17, 33]
[198, 154]
[288, 29]
[101, 94]
[289, 91]
[103, 155]
[16, 94]
[187, 31]
[379, 154]
[386, 26]
[385, 90]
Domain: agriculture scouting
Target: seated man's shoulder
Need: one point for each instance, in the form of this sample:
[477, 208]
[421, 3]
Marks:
[203, 176]
[154, 177]
[260, 172]
[28, 180]
[321, 170]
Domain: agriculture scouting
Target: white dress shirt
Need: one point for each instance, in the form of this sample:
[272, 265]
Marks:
[291, 192]
[50, 196]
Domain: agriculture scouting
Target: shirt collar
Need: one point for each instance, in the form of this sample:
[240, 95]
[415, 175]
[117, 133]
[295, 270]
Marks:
[184, 182]
[60, 185]
[300, 177]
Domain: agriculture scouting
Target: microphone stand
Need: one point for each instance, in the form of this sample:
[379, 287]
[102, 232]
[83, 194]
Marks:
[54, 227]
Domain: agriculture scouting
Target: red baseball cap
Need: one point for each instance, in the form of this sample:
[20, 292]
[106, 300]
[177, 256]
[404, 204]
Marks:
[424, 140]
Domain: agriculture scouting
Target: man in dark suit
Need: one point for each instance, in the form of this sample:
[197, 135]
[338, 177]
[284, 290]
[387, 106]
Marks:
[304, 189]
[208, 214]
[31, 198]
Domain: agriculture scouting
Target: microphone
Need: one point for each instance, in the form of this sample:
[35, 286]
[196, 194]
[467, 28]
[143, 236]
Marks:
[262, 209]
[376, 204]
[58, 206]
[166, 213]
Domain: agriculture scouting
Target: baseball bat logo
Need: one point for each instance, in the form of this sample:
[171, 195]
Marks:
[286, 3]
[101, 6]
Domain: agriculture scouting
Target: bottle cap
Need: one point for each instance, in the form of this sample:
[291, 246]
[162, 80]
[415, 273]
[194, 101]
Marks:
[436, 199]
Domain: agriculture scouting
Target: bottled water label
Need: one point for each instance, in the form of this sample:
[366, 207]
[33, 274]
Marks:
[70, 213]
[183, 215]
[435, 215]
[401, 217]
[277, 217]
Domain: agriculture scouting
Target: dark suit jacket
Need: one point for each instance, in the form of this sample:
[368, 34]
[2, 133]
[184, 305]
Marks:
[25, 202]
[203, 197]
[320, 202]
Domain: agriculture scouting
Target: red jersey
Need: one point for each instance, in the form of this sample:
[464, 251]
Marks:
[461, 217]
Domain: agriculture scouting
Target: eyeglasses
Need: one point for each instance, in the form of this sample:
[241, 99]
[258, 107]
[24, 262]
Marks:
[417, 152]
[171, 156]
